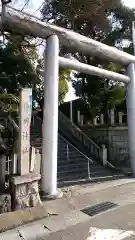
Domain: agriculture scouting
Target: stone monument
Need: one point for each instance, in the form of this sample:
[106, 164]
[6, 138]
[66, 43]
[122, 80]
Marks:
[24, 185]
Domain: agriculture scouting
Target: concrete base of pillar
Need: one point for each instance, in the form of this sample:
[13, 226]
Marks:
[25, 191]
[58, 195]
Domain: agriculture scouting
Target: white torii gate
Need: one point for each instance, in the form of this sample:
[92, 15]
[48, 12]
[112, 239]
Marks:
[13, 20]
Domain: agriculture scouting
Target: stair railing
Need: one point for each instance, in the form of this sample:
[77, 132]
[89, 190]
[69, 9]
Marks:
[84, 139]
[67, 148]
[92, 147]
[82, 154]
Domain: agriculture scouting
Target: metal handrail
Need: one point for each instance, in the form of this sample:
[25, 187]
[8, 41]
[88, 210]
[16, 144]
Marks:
[76, 149]
[110, 165]
[70, 144]
[82, 133]
[16, 127]
[88, 159]
[72, 124]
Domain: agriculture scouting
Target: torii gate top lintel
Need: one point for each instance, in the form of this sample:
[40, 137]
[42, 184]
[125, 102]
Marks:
[17, 21]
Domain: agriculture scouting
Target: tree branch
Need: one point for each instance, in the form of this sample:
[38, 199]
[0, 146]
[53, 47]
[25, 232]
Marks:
[4, 2]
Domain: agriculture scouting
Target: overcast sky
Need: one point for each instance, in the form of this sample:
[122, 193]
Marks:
[129, 3]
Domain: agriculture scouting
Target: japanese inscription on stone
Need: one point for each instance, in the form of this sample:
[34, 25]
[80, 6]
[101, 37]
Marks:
[24, 130]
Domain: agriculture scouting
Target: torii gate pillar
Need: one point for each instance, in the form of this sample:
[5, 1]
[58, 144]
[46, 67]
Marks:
[130, 97]
[50, 118]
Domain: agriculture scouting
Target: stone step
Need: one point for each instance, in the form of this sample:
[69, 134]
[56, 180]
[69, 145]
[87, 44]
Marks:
[83, 168]
[72, 164]
[72, 177]
[71, 154]
[77, 166]
[83, 176]
[63, 158]
[77, 160]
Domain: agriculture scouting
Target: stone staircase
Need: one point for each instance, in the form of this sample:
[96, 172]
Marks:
[73, 164]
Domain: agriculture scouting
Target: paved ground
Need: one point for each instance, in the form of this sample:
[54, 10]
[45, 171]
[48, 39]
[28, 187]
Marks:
[113, 225]
[77, 197]
[67, 221]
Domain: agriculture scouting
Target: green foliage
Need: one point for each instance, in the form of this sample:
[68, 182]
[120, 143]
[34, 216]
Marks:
[20, 67]
[9, 104]
[76, 14]
[106, 21]
[64, 77]
[16, 70]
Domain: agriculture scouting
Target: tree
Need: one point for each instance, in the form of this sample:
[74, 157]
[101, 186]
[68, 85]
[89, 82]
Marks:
[64, 77]
[16, 71]
[77, 14]
[9, 105]
[20, 67]
[105, 21]
[16, 66]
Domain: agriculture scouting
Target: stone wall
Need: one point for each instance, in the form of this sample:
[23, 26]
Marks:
[25, 191]
[116, 140]
[5, 203]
